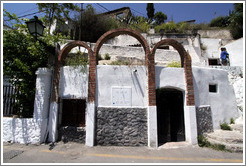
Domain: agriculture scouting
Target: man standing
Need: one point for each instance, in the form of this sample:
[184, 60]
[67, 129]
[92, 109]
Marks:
[224, 56]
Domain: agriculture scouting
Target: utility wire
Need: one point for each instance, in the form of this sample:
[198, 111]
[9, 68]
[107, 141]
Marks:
[25, 15]
[102, 7]
[137, 11]
[27, 11]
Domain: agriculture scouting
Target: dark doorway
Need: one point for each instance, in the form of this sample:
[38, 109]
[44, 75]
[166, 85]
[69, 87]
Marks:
[170, 115]
[73, 112]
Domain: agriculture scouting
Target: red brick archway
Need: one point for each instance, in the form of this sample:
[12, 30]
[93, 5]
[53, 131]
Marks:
[185, 63]
[59, 61]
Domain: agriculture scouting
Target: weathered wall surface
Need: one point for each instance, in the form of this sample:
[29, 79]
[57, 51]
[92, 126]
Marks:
[223, 102]
[73, 82]
[216, 34]
[31, 130]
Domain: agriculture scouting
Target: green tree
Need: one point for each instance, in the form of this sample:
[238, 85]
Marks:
[236, 19]
[221, 21]
[93, 25]
[150, 11]
[57, 11]
[160, 18]
[22, 56]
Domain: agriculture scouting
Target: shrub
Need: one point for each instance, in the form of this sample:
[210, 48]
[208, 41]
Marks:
[119, 63]
[225, 126]
[232, 121]
[100, 57]
[107, 57]
[220, 22]
[174, 64]
[203, 142]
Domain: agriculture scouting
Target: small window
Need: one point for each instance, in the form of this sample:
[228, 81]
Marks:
[213, 88]
[213, 62]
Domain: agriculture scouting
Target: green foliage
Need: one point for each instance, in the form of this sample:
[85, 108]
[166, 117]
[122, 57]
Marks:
[107, 56]
[22, 56]
[176, 64]
[93, 25]
[99, 57]
[169, 27]
[77, 59]
[150, 10]
[58, 11]
[140, 24]
[160, 18]
[203, 142]
[119, 63]
[220, 22]
[236, 19]
[232, 121]
[225, 126]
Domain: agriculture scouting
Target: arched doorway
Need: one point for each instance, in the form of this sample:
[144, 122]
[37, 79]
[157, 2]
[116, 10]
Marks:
[69, 111]
[170, 115]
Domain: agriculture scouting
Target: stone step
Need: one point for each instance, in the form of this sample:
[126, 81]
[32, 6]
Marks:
[230, 137]
[237, 127]
[229, 146]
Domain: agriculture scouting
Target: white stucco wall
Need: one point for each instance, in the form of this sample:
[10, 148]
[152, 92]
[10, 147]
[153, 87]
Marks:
[73, 82]
[31, 130]
[212, 47]
[122, 76]
[223, 103]
[236, 52]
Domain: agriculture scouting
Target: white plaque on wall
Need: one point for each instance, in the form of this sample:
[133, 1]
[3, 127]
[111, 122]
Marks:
[121, 96]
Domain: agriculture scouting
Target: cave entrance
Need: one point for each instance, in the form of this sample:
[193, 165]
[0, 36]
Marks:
[170, 115]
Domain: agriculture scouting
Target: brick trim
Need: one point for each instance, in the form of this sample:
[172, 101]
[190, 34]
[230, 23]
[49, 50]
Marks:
[60, 60]
[185, 63]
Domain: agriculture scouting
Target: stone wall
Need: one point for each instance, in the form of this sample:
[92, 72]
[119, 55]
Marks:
[121, 126]
[71, 134]
[204, 120]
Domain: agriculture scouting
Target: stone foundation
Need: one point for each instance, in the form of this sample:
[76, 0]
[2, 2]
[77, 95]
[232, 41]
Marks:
[121, 126]
[204, 120]
[72, 134]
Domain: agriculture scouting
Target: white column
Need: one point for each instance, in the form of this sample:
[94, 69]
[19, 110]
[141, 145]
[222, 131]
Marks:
[152, 127]
[190, 124]
[42, 99]
[90, 124]
[53, 118]
[42, 94]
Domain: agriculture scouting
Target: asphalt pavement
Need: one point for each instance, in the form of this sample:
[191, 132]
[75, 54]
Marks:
[60, 152]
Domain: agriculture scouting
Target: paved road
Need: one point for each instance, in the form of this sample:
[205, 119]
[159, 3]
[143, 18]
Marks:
[79, 153]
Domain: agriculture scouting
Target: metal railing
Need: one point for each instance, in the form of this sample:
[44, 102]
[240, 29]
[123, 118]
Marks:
[9, 100]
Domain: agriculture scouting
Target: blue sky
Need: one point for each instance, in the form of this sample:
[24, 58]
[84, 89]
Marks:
[199, 11]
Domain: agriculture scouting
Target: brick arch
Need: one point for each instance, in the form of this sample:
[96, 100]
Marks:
[122, 31]
[173, 43]
[185, 63]
[117, 32]
[60, 60]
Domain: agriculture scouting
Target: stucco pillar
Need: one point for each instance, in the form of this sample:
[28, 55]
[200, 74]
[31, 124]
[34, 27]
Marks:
[90, 124]
[42, 97]
[53, 121]
[152, 127]
[190, 124]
